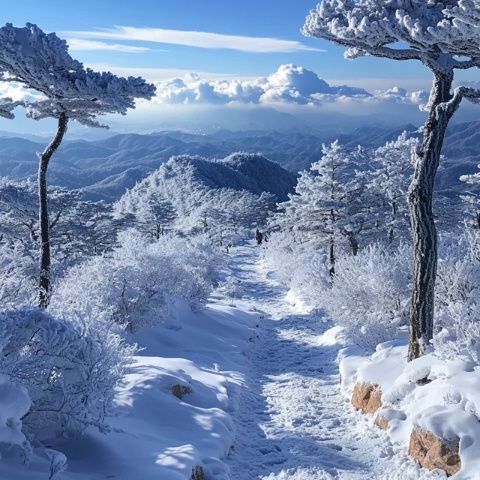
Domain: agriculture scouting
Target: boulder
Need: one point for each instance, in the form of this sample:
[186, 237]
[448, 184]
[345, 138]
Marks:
[382, 422]
[367, 397]
[181, 390]
[432, 452]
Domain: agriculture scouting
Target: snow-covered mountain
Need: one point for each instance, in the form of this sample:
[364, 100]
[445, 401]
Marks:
[191, 192]
[105, 169]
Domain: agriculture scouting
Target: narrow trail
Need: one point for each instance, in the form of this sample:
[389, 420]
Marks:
[293, 422]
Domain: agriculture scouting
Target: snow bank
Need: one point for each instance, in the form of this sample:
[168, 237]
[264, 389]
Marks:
[14, 404]
[448, 404]
[151, 433]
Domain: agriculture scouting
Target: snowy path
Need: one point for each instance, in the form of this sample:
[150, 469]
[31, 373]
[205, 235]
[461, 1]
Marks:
[292, 422]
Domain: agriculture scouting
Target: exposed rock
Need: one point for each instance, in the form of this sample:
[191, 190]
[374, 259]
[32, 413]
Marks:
[181, 390]
[431, 452]
[197, 474]
[382, 422]
[367, 397]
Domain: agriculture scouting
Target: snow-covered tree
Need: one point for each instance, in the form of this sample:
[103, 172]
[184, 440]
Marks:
[191, 195]
[472, 198]
[329, 204]
[67, 91]
[78, 229]
[138, 283]
[444, 36]
[368, 297]
[70, 368]
[392, 170]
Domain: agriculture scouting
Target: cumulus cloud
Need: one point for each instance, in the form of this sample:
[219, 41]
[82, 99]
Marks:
[289, 85]
[401, 95]
[18, 93]
[195, 39]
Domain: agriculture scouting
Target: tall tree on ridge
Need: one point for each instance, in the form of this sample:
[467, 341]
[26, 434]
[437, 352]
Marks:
[66, 91]
[445, 36]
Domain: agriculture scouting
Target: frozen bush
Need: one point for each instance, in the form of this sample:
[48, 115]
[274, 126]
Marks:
[70, 369]
[458, 298]
[370, 296]
[232, 288]
[136, 284]
[300, 267]
[18, 274]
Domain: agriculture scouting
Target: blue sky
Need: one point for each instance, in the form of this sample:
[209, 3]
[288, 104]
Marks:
[279, 19]
[232, 46]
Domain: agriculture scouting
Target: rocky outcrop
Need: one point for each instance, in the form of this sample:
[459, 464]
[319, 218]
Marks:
[382, 422]
[181, 390]
[431, 452]
[197, 474]
[367, 397]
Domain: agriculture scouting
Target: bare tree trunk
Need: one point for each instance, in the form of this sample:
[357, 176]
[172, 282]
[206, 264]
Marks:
[331, 257]
[352, 240]
[45, 260]
[422, 220]
[391, 233]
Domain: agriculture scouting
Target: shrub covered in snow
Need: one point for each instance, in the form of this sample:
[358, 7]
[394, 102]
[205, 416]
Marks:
[18, 275]
[135, 285]
[70, 369]
[458, 298]
[369, 296]
[302, 268]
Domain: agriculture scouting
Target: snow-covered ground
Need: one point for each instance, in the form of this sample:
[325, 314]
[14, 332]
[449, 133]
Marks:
[264, 378]
[293, 422]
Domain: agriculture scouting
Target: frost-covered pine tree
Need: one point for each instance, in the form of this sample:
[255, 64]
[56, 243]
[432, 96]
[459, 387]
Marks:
[445, 36]
[392, 171]
[67, 91]
[329, 204]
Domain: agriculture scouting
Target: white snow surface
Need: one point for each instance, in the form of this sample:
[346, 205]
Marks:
[266, 401]
[448, 405]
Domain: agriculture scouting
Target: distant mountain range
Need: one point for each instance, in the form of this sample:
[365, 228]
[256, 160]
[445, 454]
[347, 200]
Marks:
[104, 169]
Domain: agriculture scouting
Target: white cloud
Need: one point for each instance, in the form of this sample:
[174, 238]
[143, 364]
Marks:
[18, 92]
[195, 39]
[401, 95]
[81, 44]
[288, 85]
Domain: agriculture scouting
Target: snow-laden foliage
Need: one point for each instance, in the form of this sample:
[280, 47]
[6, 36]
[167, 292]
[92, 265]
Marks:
[191, 195]
[298, 266]
[64, 90]
[70, 368]
[27, 55]
[18, 273]
[458, 298]
[137, 283]
[392, 170]
[374, 27]
[331, 205]
[369, 296]
[444, 36]
[471, 199]
[79, 229]
[6, 107]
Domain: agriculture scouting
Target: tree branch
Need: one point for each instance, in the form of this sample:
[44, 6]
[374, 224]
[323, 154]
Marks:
[474, 62]
[459, 94]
